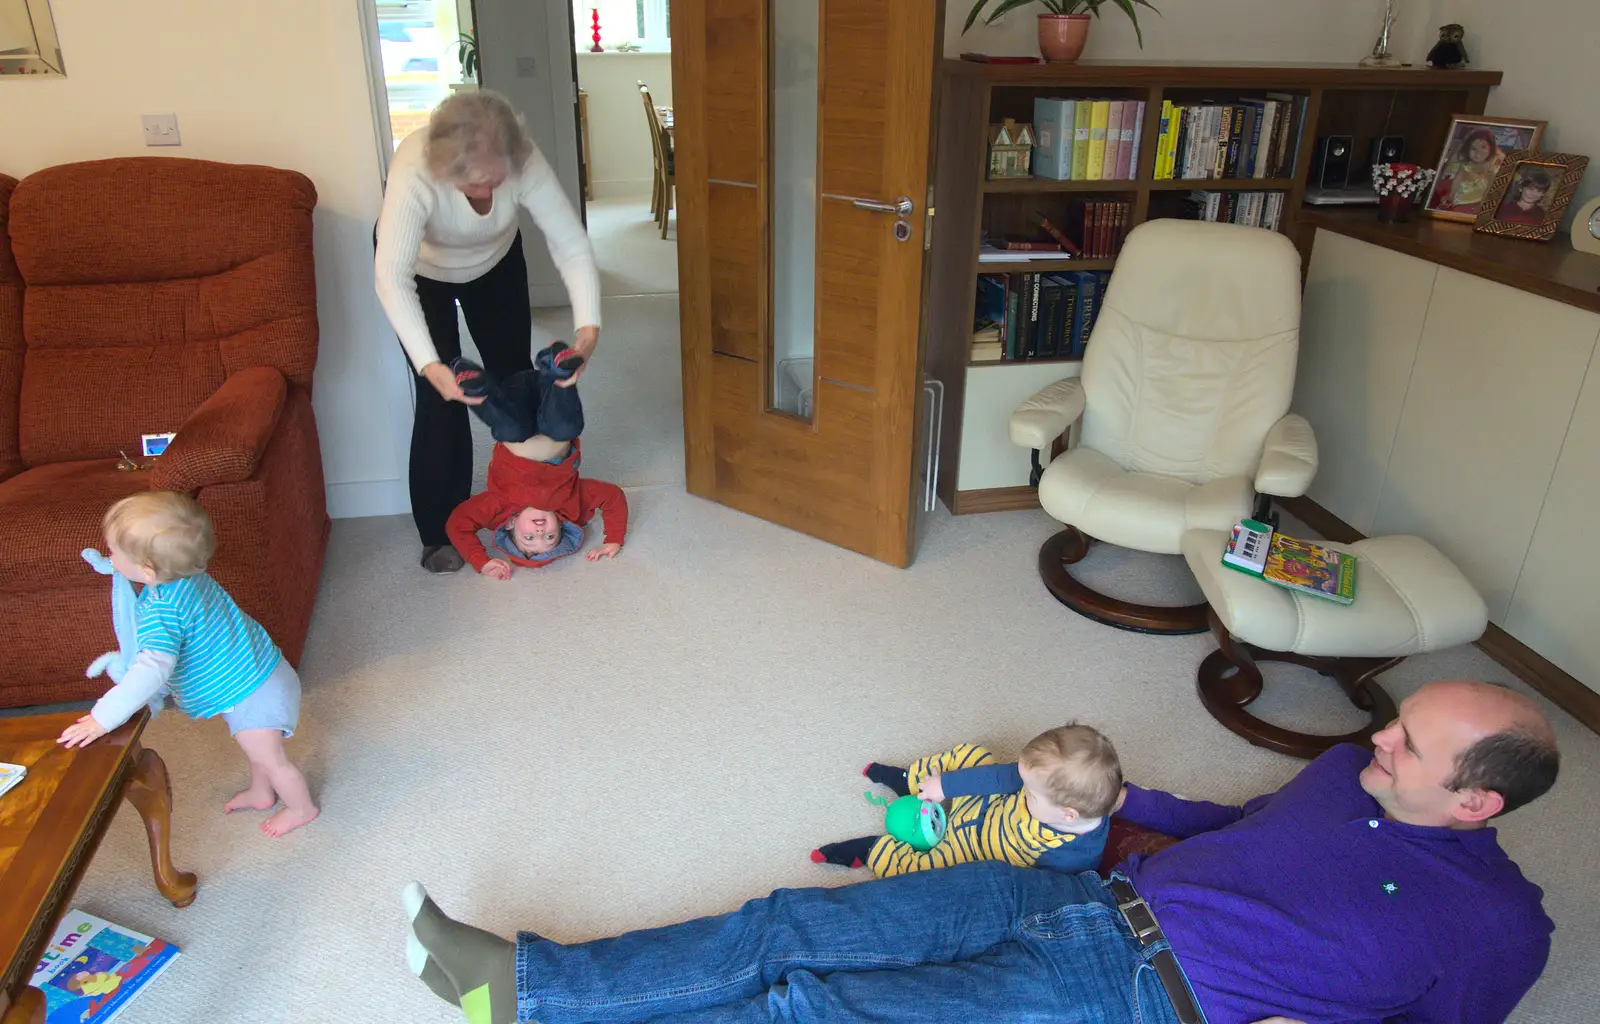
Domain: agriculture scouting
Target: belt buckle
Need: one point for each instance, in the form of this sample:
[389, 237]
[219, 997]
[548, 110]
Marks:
[1142, 933]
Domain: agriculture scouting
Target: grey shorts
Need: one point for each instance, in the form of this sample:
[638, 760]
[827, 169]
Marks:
[275, 704]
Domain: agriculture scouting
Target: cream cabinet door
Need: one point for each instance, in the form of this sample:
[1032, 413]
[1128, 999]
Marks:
[1491, 396]
[1556, 608]
[1361, 322]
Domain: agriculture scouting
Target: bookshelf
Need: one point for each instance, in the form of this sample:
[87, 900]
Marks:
[1364, 103]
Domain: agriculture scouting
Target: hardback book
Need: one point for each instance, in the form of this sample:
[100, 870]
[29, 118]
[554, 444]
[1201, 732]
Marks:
[1054, 128]
[1163, 167]
[92, 969]
[1108, 169]
[1083, 314]
[1128, 155]
[1293, 564]
[1100, 118]
[1082, 127]
[1067, 244]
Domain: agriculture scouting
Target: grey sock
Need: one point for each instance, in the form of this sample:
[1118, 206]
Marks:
[428, 969]
[481, 966]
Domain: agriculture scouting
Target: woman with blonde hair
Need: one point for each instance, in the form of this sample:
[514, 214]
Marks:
[448, 232]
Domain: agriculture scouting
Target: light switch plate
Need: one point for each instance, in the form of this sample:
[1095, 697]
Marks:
[160, 129]
[527, 67]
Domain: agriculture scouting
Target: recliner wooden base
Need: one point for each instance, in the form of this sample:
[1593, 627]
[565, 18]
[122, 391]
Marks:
[1229, 680]
[1069, 546]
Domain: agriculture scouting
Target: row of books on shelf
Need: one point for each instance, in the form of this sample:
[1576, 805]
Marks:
[1086, 139]
[1253, 138]
[1250, 209]
[1092, 230]
[1036, 315]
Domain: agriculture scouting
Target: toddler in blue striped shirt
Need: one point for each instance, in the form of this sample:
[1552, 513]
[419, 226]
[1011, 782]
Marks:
[193, 642]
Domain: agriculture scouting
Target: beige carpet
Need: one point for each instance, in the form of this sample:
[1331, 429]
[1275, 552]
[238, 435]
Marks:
[589, 748]
[634, 259]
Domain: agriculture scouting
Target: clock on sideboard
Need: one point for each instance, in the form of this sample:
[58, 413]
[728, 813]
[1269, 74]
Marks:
[1586, 227]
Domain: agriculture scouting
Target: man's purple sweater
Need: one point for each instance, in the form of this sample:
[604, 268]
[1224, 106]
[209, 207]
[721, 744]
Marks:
[1309, 903]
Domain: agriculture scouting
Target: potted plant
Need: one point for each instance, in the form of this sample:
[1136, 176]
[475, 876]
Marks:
[467, 53]
[1064, 30]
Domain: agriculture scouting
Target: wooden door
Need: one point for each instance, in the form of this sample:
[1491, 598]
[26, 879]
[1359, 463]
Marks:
[846, 474]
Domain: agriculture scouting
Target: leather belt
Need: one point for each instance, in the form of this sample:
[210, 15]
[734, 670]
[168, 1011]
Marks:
[1142, 922]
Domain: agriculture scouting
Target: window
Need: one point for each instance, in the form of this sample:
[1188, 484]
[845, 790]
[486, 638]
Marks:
[642, 23]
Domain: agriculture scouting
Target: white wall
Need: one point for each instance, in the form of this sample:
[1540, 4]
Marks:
[620, 160]
[526, 51]
[1551, 70]
[281, 84]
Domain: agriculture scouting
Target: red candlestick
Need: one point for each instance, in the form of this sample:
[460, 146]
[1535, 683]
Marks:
[596, 48]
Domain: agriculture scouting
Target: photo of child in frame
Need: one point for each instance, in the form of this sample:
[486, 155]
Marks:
[1472, 154]
[1527, 199]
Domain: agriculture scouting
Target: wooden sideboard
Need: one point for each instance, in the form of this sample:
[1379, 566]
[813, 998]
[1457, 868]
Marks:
[1454, 386]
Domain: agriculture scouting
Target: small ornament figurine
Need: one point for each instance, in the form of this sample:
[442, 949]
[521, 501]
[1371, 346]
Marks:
[596, 48]
[1449, 52]
[1380, 57]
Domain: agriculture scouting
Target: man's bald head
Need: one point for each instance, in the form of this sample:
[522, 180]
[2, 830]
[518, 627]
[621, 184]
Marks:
[1506, 743]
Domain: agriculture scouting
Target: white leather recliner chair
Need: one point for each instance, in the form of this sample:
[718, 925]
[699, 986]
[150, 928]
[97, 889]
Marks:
[1182, 407]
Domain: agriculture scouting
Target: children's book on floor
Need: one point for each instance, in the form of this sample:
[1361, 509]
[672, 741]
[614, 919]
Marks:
[10, 775]
[1299, 565]
[92, 969]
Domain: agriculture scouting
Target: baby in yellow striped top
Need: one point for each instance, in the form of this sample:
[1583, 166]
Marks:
[1051, 809]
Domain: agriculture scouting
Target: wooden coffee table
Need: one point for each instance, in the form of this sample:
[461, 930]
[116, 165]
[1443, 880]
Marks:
[51, 824]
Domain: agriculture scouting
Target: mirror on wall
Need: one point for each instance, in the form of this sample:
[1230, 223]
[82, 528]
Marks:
[28, 44]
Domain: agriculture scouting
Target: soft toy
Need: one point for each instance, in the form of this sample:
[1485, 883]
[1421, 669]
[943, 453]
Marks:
[918, 823]
[124, 621]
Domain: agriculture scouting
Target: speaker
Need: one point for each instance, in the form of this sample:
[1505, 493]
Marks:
[1331, 168]
[1386, 149]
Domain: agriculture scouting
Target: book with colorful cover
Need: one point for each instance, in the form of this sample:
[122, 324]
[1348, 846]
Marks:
[1291, 563]
[92, 969]
[10, 776]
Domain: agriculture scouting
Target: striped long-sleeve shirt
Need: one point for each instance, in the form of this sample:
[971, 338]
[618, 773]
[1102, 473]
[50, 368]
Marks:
[221, 655]
[988, 820]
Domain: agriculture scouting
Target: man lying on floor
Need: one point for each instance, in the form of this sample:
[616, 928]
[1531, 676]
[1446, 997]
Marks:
[1370, 888]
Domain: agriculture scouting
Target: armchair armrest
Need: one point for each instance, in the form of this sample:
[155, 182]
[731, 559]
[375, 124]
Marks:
[1288, 458]
[1047, 415]
[223, 440]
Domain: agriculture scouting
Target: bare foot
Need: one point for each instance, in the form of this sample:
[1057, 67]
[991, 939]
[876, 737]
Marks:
[251, 799]
[287, 820]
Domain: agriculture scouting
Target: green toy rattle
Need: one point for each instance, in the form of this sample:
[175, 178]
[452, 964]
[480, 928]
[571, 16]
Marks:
[918, 823]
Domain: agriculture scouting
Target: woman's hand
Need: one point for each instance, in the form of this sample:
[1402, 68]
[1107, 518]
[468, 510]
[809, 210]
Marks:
[444, 382]
[583, 343]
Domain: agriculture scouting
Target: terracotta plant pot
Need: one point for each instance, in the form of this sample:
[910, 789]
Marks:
[1061, 36]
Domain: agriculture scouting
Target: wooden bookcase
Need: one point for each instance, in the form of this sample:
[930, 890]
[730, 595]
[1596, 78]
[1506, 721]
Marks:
[1365, 103]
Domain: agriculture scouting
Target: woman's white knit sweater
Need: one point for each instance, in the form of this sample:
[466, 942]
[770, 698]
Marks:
[428, 228]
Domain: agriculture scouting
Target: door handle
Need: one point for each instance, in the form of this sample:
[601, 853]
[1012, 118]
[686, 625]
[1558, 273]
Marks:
[901, 207]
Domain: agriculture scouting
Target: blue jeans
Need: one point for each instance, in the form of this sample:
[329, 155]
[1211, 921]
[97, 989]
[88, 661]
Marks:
[527, 402]
[975, 943]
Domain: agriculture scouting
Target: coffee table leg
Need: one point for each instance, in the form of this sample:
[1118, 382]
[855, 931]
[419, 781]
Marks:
[150, 792]
[28, 1009]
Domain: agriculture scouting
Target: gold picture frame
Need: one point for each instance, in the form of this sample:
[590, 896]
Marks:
[1461, 180]
[1530, 194]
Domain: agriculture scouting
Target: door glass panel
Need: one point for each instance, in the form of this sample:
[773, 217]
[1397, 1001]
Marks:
[794, 202]
[424, 57]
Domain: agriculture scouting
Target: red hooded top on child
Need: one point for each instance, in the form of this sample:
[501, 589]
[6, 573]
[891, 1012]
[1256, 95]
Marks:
[516, 483]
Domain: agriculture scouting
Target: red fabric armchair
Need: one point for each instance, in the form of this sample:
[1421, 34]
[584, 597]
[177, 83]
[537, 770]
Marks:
[143, 296]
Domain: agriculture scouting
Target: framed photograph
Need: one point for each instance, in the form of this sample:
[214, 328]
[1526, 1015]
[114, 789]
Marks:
[1530, 194]
[1473, 151]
